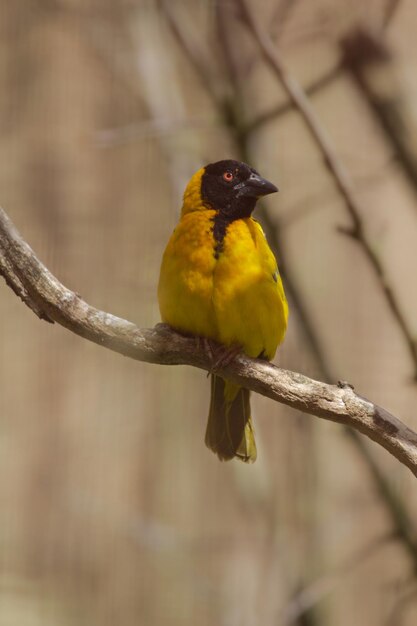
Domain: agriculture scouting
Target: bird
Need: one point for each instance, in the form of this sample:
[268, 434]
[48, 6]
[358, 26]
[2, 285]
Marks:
[219, 281]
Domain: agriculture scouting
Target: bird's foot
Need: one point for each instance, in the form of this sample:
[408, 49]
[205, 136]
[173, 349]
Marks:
[225, 355]
[202, 343]
[220, 356]
[162, 326]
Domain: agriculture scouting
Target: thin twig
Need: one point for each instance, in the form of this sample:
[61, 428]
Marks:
[403, 526]
[312, 89]
[401, 606]
[340, 175]
[389, 13]
[157, 127]
[281, 14]
[232, 56]
[374, 69]
[193, 50]
[305, 599]
[338, 403]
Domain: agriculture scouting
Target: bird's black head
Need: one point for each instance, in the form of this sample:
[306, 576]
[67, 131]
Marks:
[232, 188]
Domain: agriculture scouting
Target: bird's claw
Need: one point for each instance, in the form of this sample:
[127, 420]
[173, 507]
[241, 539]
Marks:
[220, 356]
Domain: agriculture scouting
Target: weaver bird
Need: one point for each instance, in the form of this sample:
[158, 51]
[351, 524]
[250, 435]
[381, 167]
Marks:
[219, 280]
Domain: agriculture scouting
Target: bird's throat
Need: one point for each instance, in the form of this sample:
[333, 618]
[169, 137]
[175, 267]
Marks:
[220, 224]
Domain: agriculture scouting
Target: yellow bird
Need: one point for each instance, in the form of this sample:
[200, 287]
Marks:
[219, 280]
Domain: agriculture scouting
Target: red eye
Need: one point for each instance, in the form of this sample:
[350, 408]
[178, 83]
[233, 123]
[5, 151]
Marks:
[228, 176]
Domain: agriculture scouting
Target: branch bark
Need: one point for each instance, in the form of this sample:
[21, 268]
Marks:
[51, 300]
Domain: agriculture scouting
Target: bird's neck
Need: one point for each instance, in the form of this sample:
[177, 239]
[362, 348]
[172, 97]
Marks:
[221, 222]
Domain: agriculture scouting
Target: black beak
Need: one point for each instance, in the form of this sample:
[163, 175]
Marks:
[255, 186]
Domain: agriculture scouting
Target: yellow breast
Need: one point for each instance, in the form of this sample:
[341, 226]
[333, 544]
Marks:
[236, 298]
[186, 280]
[248, 296]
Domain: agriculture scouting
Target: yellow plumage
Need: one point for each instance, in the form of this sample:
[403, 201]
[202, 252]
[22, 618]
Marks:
[233, 296]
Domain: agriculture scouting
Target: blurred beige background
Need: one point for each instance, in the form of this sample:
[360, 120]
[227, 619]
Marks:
[112, 511]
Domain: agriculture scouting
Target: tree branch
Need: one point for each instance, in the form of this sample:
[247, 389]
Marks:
[195, 53]
[316, 86]
[45, 295]
[335, 167]
[394, 504]
[390, 10]
[374, 68]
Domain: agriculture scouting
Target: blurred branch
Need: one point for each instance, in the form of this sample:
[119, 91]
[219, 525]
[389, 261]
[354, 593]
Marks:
[316, 86]
[340, 175]
[390, 10]
[305, 599]
[157, 127]
[198, 58]
[281, 14]
[48, 298]
[225, 15]
[191, 46]
[403, 526]
[374, 69]
[402, 605]
[314, 202]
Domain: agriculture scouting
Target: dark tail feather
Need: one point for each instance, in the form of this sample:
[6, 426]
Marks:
[229, 429]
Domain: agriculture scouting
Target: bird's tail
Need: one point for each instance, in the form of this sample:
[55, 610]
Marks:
[229, 429]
